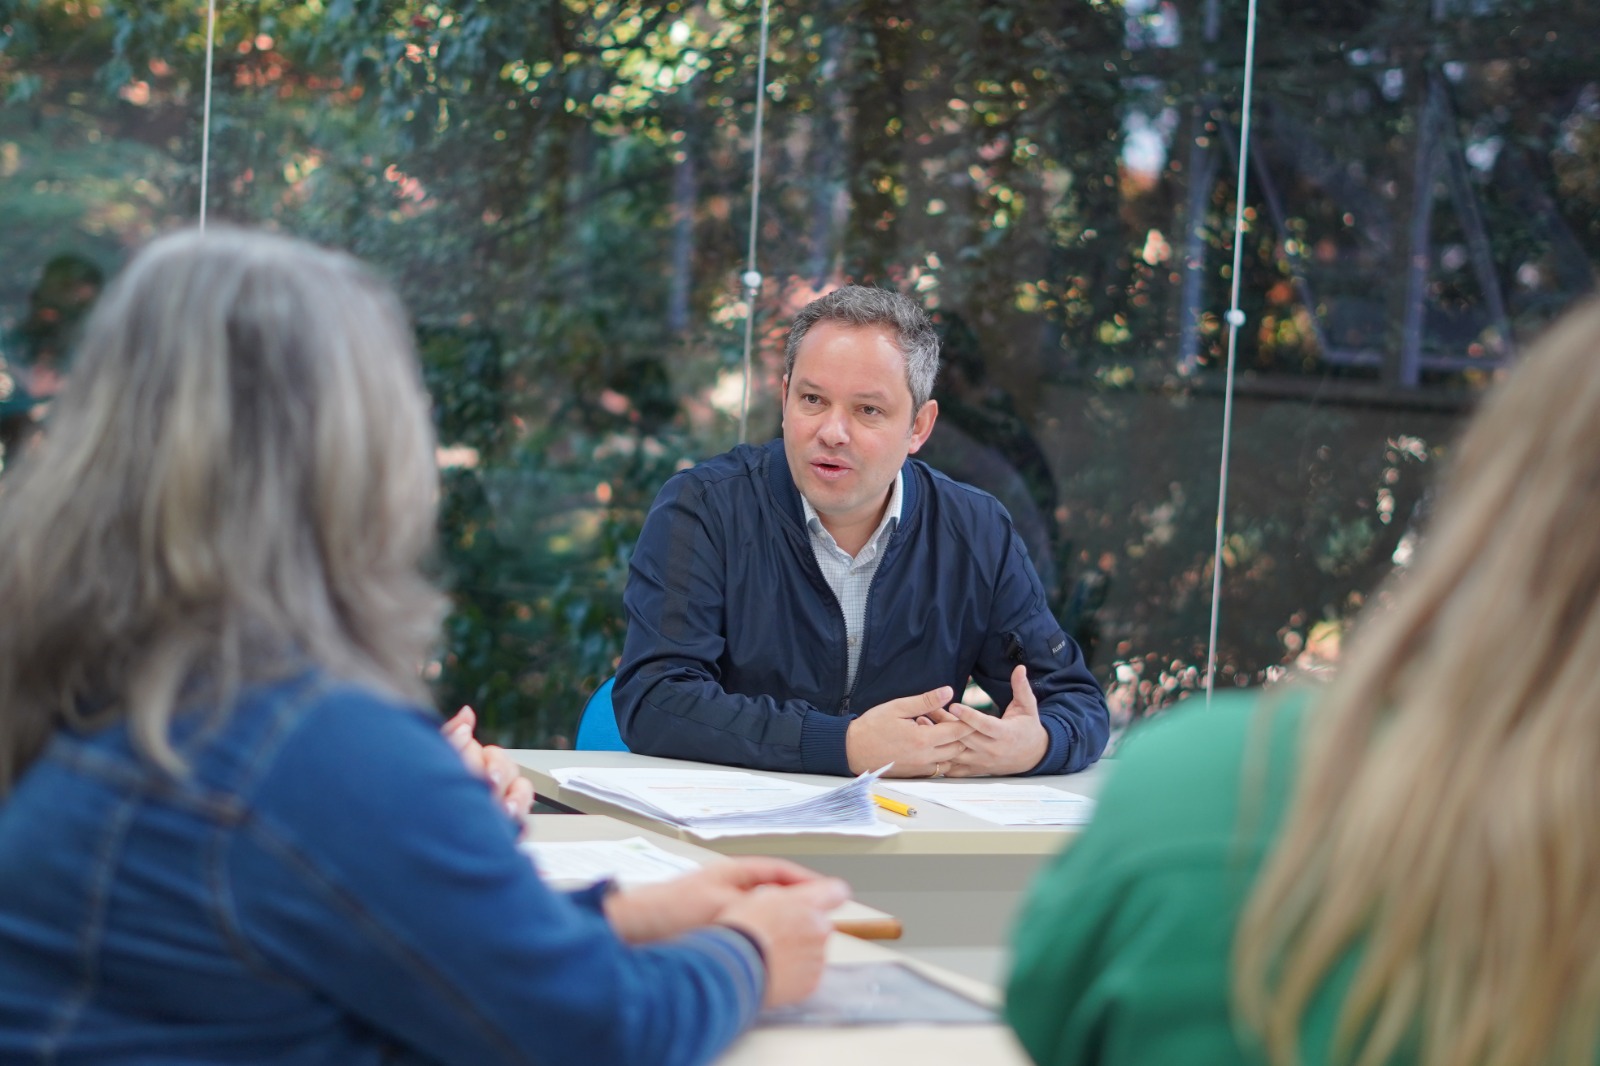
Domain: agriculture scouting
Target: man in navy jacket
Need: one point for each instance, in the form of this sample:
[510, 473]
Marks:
[814, 604]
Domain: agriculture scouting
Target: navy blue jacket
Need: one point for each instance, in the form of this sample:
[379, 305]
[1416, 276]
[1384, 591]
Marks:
[736, 645]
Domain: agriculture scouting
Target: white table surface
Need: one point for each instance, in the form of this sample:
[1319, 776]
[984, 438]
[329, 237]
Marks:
[890, 1045]
[936, 830]
[953, 880]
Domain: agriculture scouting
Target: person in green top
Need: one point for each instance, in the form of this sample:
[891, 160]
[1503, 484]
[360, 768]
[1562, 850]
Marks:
[1398, 867]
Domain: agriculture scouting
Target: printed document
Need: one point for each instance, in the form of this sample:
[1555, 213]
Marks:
[721, 803]
[630, 862]
[1004, 804]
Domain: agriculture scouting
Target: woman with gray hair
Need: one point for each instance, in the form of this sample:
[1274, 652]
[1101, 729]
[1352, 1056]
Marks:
[228, 829]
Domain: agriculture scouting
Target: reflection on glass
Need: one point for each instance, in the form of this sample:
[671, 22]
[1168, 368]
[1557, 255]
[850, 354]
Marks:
[560, 189]
[92, 162]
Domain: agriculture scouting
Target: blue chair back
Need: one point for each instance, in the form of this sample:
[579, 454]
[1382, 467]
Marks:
[597, 729]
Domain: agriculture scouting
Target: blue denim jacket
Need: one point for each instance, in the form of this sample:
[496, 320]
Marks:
[327, 884]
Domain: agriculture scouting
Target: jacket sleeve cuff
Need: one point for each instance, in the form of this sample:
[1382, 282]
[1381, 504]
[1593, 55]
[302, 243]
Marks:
[739, 953]
[1059, 748]
[592, 898]
[822, 749]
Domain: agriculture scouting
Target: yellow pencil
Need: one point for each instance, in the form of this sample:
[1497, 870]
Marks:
[894, 805]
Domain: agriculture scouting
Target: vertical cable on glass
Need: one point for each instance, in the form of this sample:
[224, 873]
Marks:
[205, 110]
[1235, 319]
[752, 277]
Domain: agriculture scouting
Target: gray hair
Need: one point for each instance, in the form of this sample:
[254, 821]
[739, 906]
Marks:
[238, 479]
[858, 305]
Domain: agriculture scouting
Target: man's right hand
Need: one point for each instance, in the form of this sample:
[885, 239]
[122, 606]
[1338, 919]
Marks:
[890, 732]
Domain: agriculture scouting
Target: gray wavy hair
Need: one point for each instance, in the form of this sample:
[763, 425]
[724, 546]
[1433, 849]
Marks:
[238, 480]
[859, 305]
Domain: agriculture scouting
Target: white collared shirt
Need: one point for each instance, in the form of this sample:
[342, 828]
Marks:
[851, 578]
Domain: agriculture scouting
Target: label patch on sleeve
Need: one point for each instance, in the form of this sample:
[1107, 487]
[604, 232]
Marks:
[1059, 643]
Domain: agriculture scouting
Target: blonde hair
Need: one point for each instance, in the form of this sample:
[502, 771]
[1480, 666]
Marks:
[1444, 824]
[238, 481]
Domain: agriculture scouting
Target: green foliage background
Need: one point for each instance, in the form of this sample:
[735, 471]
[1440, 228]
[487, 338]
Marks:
[560, 191]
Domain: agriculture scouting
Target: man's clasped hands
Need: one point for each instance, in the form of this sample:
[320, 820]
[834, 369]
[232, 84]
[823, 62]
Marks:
[927, 735]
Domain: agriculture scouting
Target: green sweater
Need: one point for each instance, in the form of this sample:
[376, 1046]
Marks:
[1123, 947]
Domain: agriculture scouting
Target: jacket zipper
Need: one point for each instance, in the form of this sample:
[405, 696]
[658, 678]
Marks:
[844, 708]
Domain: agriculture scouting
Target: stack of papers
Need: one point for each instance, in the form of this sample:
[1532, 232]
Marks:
[1005, 804]
[723, 803]
[630, 862]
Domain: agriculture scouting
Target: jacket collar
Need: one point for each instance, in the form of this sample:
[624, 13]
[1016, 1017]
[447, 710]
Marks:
[787, 494]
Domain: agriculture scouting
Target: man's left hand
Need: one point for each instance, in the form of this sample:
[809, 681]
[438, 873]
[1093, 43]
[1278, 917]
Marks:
[1011, 744]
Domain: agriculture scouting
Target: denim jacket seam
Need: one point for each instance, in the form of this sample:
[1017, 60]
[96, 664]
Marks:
[220, 904]
[93, 929]
[296, 682]
[77, 755]
[289, 711]
[396, 948]
[223, 803]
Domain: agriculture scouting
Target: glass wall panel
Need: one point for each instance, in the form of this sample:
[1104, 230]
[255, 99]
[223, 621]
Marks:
[96, 155]
[556, 191]
[1422, 204]
[562, 193]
